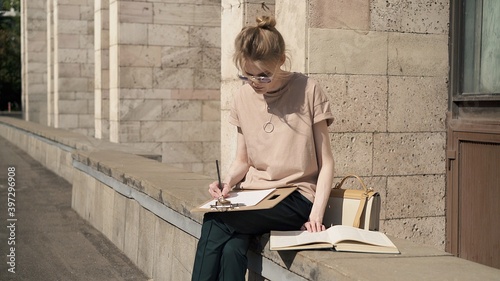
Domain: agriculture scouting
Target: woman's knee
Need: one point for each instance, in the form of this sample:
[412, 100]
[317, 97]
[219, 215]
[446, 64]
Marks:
[236, 247]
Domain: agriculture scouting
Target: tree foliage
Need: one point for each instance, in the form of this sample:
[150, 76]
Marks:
[10, 56]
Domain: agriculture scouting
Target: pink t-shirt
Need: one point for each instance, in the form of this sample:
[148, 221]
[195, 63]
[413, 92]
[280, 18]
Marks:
[282, 153]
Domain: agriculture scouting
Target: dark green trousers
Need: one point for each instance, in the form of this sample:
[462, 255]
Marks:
[225, 237]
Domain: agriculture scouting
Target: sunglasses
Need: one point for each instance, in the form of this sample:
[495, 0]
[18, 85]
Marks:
[259, 79]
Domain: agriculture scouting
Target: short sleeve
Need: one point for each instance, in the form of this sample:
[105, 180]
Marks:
[321, 104]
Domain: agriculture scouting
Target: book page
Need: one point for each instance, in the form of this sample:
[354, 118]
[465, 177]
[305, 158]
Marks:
[244, 198]
[339, 233]
[281, 239]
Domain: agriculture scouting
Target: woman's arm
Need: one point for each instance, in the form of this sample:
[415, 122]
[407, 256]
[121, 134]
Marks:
[237, 170]
[325, 177]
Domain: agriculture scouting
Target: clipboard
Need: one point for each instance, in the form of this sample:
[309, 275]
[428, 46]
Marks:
[268, 202]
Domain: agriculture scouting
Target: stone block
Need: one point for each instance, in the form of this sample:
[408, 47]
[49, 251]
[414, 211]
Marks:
[87, 11]
[181, 57]
[69, 70]
[136, 77]
[254, 9]
[206, 37]
[183, 249]
[68, 120]
[73, 106]
[211, 58]
[210, 110]
[418, 54]
[163, 131]
[211, 151]
[195, 94]
[359, 103]
[292, 21]
[347, 51]
[97, 212]
[181, 152]
[415, 196]
[164, 254]
[410, 16]
[417, 104]
[69, 2]
[52, 157]
[119, 220]
[39, 24]
[131, 237]
[228, 139]
[89, 194]
[68, 41]
[108, 197]
[78, 196]
[135, 93]
[129, 131]
[36, 36]
[408, 153]
[426, 231]
[201, 131]
[147, 241]
[68, 12]
[207, 15]
[141, 56]
[174, 14]
[131, 33]
[173, 78]
[140, 110]
[74, 84]
[72, 56]
[352, 153]
[135, 12]
[168, 35]
[181, 110]
[354, 14]
[87, 42]
[207, 78]
[72, 27]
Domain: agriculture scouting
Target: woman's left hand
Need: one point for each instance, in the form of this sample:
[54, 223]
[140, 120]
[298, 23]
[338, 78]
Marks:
[313, 226]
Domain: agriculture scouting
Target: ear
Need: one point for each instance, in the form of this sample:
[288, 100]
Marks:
[282, 59]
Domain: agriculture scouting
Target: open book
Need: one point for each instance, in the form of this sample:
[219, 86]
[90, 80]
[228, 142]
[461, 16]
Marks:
[341, 237]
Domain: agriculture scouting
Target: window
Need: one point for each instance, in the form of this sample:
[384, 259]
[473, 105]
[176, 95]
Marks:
[481, 53]
[475, 59]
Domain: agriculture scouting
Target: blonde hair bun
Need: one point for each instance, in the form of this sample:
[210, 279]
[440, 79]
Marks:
[266, 22]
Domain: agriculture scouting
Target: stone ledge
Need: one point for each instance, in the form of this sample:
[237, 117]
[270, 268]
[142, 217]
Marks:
[181, 191]
[70, 140]
[170, 193]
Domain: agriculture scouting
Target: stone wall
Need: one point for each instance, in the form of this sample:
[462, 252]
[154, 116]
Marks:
[164, 79]
[70, 69]
[159, 76]
[384, 65]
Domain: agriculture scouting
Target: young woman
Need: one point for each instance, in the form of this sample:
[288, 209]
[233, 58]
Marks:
[282, 120]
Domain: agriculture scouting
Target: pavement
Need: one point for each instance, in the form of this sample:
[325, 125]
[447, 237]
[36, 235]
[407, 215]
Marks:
[41, 237]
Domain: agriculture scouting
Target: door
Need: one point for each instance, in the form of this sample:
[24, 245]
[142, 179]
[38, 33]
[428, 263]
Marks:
[473, 144]
[474, 194]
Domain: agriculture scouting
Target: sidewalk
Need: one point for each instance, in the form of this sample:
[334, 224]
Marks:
[51, 241]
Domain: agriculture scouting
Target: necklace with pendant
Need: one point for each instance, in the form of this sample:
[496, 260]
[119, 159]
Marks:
[268, 126]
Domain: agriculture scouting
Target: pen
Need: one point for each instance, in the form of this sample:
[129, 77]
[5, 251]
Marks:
[221, 199]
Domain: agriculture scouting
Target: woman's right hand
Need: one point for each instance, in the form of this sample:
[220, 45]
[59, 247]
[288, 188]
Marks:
[216, 192]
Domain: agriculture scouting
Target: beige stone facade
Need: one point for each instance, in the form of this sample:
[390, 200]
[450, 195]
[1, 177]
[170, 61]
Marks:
[159, 75]
[385, 70]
